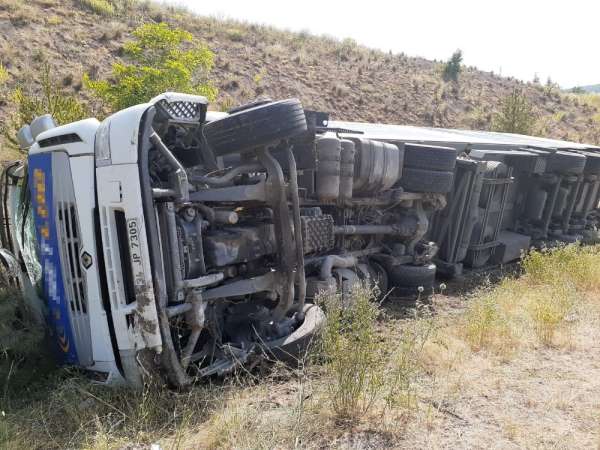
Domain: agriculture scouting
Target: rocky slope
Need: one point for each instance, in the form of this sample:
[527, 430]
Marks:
[350, 81]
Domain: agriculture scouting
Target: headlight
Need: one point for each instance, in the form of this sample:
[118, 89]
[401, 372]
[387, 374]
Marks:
[102, 144]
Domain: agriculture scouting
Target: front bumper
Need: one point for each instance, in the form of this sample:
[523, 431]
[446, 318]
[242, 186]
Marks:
[127, 264]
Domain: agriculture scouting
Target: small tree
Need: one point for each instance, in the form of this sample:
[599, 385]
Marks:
[515, 115]
[452, 67]
[48, 98]
[162, 59]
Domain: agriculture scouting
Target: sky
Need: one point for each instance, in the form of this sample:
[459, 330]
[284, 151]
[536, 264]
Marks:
[556, 39]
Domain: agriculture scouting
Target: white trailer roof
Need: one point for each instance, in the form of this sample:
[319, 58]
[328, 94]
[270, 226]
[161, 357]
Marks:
[455, 137]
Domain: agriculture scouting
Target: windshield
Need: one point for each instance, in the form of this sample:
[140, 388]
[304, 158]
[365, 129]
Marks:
[26, 237]
[18, 233]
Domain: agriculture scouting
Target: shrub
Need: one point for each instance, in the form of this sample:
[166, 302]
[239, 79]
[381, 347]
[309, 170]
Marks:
[21, 342]
[515, 115]
[4, 76]
[405, 359]
[452, 67]
[103, 7]
[48, 98]
[235, 34]
[549, 308]
[159, 63]
[345, 49]
[354, 359]
[54, 20]
[486, 323]
[567, 264]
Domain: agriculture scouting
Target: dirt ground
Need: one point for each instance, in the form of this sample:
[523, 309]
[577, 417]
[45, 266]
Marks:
[541, 398]
[546, 398]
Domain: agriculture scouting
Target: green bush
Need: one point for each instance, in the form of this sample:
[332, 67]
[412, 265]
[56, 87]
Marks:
[351, 347]
[103, 7]
[515, 115]
[452, 67]
[161, 59]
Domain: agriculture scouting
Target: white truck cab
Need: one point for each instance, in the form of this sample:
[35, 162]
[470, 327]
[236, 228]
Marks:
[132, 270]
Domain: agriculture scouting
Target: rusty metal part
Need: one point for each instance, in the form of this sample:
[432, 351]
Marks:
[169, 357]
[300, 275]
[277, 199]
[179, 173]
[241, 193]
[227, 179]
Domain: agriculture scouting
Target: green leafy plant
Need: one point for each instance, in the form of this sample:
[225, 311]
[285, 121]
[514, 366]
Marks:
[161, 59]
[515, 115]
[353, 353]
[452, 67]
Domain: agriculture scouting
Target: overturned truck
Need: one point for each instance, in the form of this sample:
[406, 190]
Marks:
[175, 241]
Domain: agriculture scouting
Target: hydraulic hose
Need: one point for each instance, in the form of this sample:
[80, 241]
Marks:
[332, 261]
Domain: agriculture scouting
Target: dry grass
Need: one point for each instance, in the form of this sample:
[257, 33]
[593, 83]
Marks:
[513, 365]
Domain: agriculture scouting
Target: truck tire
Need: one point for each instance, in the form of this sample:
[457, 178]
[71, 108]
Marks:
[253, 104]
[255, 127]
[430, 157]
[421, 180]
[407, 275]
[411, 293]
[565, 162]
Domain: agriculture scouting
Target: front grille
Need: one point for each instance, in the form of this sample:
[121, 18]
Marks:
[67, 222]
[183, 110]
[69, 238]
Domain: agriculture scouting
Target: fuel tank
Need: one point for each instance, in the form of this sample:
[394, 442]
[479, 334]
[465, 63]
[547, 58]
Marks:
[377, 166]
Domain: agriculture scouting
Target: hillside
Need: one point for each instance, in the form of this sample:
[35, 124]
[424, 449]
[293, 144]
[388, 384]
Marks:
[348, 80]
[592, 88]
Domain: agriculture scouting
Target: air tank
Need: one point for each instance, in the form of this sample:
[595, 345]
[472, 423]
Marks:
[346, 170]
[327, 179]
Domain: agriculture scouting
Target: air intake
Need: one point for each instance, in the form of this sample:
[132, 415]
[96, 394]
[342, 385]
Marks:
[41, 124]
